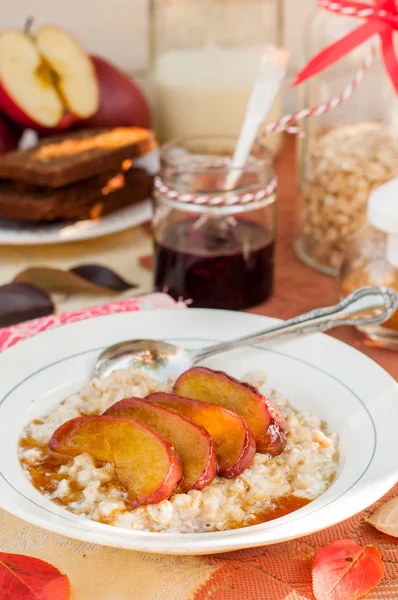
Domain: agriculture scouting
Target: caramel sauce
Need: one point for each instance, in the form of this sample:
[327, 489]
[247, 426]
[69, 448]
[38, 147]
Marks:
[282, 507]
[43, 474]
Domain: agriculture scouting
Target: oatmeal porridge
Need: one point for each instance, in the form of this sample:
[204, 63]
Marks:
[268, 488]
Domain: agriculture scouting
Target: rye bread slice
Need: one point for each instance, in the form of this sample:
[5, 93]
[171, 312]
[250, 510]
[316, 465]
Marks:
[89, 199]
[73, 157]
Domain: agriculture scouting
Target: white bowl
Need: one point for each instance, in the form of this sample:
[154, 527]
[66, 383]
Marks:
[356, 397]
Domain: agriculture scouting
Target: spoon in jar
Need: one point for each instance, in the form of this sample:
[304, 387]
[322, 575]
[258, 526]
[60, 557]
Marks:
[270, 76]
[366, 306]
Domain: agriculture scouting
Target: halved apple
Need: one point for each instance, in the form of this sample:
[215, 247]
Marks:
[234, 444]
[75, 76]
[27, 93]
[192, 442]
[265, 422]
[42, 79]
[145, 464]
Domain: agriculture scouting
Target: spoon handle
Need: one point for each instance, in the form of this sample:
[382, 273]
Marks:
[366, 306]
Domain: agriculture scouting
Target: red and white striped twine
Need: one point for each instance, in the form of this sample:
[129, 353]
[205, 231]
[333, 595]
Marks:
[353, 11]
[284, 124]
[226, 199]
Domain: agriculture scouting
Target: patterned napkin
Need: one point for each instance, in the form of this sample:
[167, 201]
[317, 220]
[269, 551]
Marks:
[11, 335]
[279, 572]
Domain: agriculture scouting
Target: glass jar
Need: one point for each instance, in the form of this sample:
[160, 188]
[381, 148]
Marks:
[372, 257]
[205, 58]
[218, 255]
[347, 152]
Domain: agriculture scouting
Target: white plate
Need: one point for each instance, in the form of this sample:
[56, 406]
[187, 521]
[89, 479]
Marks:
[21, 233]
[319, 374]
[18, 233]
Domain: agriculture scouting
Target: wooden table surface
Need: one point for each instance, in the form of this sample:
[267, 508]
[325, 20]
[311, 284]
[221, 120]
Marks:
[297, 287]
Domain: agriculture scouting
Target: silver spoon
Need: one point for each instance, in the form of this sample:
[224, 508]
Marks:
[366, 306]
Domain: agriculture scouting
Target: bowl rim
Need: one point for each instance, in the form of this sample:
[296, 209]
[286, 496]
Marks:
[207, 542]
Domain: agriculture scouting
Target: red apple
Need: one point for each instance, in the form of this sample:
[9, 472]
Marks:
[74, 71]
[9, 135]
[122, 103]
[47, 81]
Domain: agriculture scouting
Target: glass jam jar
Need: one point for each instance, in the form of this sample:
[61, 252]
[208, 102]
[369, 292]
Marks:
[372, 257]
[219, 254]
[205, 57]
[346, 153]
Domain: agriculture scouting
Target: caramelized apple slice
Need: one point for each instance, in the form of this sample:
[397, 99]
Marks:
[265, 421]
[234, 444]
[273, 440]
[145, 464]
[192, 442]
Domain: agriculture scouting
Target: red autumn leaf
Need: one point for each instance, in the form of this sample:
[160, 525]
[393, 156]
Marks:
[345, 570]
[27, 578]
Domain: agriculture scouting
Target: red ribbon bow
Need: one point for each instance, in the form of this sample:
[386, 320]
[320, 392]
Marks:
[380, 18]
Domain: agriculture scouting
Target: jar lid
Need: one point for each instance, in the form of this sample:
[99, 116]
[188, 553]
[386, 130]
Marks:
[383, 215]
[383, 207]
